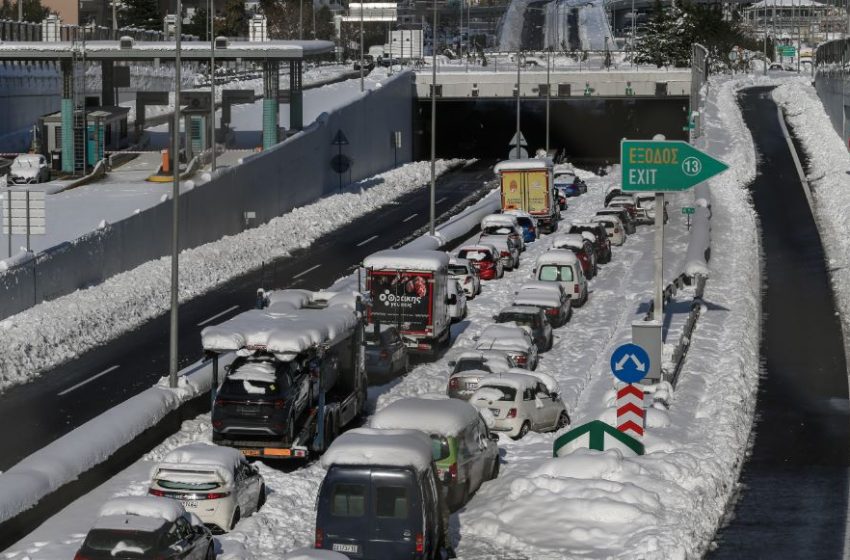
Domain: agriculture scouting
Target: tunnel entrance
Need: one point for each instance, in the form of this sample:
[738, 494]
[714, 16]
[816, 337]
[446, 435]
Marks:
[589, 130]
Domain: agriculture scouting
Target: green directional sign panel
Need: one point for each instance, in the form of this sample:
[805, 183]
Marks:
[665, 165]
[688, 210]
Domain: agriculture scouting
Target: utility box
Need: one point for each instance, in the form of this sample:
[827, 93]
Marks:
[406, 44]
[258, 29]
[647, 335]
[51, 29]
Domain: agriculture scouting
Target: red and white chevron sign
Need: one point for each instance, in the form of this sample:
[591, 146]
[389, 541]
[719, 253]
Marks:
[630, 412]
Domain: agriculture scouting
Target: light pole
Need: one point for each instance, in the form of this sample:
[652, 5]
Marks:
[175, 206]
[432, 197]
[301, 20]
[115, 17]
[518, 143]
[212, 84]
[548, 94]
[361, 46]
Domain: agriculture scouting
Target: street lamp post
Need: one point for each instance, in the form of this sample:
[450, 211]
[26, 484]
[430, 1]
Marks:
[548, 95]
[301, 20]
[361, 46]
[212, 85]
[517, 106]
[431, 203]
[175, 205]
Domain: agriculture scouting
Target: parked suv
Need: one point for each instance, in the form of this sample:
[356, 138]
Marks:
[467, 276]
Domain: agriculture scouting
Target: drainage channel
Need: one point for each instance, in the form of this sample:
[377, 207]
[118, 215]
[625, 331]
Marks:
[793, 488]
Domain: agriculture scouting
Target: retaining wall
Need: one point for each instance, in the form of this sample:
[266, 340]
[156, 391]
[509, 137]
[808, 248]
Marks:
[291, 174]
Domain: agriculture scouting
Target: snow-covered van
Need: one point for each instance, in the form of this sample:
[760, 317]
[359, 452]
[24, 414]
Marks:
[298, 377]
[409, 289]
[379, 498]
[561, 265]
[527, 185]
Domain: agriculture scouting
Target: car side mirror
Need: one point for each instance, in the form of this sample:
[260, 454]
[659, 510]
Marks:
[451, 363]
[492, 436]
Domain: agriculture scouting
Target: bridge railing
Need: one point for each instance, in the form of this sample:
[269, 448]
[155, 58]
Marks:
[537, 61]
[24, 31]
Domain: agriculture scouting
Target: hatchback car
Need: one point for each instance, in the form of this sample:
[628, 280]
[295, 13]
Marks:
[29, 169]
[146, 527]
[601, 243]
[629, 223]
[513, 340]
[503, 225]
[613, 227]
[527, 223]
[532, 317]
[555, 304]
[521, 403]
[471, 366]
[385, 352]
[506, 248]
[582, 248]
[624, 201]
[485, 258]
[215, 483]
[466, 274]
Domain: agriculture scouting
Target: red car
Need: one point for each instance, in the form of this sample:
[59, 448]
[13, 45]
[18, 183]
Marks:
[485, 258]
[582, 249]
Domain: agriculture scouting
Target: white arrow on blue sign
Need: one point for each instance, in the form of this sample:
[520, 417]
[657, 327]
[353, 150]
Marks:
[629, 363]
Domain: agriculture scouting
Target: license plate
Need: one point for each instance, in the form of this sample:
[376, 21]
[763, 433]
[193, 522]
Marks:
[250, 452]
[352, 548]
[248, 411]
[495, 411]
[190, 505]
[471, 385]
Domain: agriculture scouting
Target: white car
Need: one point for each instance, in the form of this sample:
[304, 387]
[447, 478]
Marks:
[521, 403]
[513, 340]
[470, 366]
[466, 275]
[215, 483]
[457, 301]
[614, 228]
[503, 224]
[28, 169]
[561, 265]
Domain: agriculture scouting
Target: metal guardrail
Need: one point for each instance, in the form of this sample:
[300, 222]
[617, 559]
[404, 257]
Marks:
[681, 349]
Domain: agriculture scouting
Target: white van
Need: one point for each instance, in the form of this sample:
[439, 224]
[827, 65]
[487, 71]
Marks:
[561, 265]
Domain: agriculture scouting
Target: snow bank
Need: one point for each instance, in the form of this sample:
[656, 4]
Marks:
[405, 259]
[510, 37]
[828, 163]
[48, 334]
[446, 417]
[388, 448]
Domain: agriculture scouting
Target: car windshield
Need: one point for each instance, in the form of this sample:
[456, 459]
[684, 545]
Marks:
[457, 270]
[555, 273]
[122, 544]
[25, 162]
[518, 318]
[508, 394]
[189, 486]
[469, 365]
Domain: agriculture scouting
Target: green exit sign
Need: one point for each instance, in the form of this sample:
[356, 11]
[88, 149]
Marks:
[688, 210]
[665, 165]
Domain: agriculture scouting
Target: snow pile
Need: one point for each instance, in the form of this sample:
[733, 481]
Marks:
[446, 417]
[828, 164]
[224, 461]
[388, 448]
[143, 506]
[510, 37]
[53, 332]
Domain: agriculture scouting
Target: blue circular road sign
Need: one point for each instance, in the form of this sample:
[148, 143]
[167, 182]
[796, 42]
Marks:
[629, 363]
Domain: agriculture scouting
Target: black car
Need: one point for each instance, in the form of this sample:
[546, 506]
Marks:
[602, 245]
[262, 398]
[531, 317]
[368, 63]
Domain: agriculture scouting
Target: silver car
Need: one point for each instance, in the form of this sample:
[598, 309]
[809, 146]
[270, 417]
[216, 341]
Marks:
[386, 354]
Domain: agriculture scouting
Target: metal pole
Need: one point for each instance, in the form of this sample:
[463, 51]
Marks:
[212, 84]
[114, 19]
[517, 107]
[632, 42]
[301, 20]
[548, 95]
[658, 314]
[28, 220]
[85, 119]
[361, 45]
[799, 20]
[20, 10]
[175, 197]
[764, 27]
[432, 204]
[214, 388]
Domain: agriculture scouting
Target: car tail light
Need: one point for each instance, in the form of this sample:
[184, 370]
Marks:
[384, 354]
[217, 423]
[453, 471]
[454, 383]
[320, 538]
[505, 253]
[616, 230]
[218, 402]
[551, 311]
[520, 359]
[80, 556]
[279, 403]
[420, 543]
[468, 280]
[511, 413]
[217, 495]
[575, 288]
[487, 264]
[155, 492]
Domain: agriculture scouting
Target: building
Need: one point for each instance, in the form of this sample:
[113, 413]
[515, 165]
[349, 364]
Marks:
[787, 19]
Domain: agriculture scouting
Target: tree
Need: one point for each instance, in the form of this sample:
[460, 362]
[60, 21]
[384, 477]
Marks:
[235, 22]
[141, 13]
[651, 47]
[324, 24]
[34, 12]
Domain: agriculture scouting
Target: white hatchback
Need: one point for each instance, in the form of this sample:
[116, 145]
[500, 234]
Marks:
[466, 275]
[521, 403]
[215, 483]
[614, 228]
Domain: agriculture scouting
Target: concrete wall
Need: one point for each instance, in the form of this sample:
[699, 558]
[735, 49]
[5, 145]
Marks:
[291, 174]
[830, 88]
[27, 91]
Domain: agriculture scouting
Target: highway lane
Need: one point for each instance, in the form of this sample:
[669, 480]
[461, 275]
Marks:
[34, 414]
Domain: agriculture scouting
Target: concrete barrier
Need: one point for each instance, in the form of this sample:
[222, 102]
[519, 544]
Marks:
[291, 174]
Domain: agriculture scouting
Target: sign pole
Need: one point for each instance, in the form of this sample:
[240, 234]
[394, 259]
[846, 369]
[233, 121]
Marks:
[28, 220]
[659, 256]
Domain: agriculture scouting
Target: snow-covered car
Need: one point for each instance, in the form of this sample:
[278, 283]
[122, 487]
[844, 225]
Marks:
[215, 483]
[624, 201]
[513, 340]
[613, 227]
[560, 193]
[561, 265]
[457, 301]
[601, 243]
[554, 303]
[645, 203]
[506, 247]
[28, 169]
[146, 527]
[385, 352]
[622, 214]
[485, 258]
[503, 225]
[527, 223]
[466, 275]
[532, 317]
[582, 248]
[521, 403]
[471, 365]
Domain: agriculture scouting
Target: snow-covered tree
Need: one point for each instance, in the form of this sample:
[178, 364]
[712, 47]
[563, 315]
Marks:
[141, 13]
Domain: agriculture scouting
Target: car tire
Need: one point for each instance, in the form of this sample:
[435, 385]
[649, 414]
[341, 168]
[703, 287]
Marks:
[523, 431]
[551, 342]
[261, 498]
[237, 515]
[563, 421]
[494, 472]
[210, 552]
[406, 368]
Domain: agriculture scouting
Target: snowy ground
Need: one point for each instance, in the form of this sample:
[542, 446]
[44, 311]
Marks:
[53, 332]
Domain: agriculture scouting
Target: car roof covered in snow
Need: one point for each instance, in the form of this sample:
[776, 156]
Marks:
[483, 246]
[387, 448]
[457, 261]
[540, 286]
[557, 256]
[493, 220]
[472, 354]
[537, 297]
[199, 457]
[519, 381]
[518, 213]
[445, 417]
[523, 164]
[569, 240]
[398, 259]
[607, 219]
[135, 510]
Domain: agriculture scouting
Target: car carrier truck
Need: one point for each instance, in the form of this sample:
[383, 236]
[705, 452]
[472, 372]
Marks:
[298, 378]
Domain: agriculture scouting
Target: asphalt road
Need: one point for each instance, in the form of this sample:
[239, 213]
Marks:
[794, 486]
[34, 414]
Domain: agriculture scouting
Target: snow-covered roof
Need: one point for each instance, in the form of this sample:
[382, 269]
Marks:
[517, 308]
[398, 259]
[494, 220]
[607, 219]
[314, 554]
[503, 330]
[523, 164]
[568, 240]
[143, 506]
[537, 297]
[223, 461]
[490, 357]
[457, 261]
[445, 417]
[787, 4]
[387, 448]
[480, 247]
[264, 372]
[557, 256]
[518, 381]
[539, 286]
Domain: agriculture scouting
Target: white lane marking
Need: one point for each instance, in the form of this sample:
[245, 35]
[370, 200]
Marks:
[311, 269]
[441, 200]
[217, 315]
[90, 379]
[803, 179]
[407, 219]
[365, 241]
